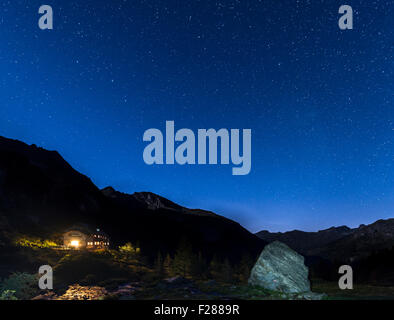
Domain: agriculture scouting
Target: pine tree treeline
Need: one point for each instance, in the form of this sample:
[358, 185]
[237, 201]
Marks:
[189, 264]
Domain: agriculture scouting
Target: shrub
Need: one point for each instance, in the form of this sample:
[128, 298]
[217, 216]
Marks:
[128, 254]
[8, 295]
[35, 243]
[129, 250]
[22, 285]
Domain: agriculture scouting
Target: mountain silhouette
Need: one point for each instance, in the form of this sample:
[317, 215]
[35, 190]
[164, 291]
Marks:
[42, 195]
[369, 249]
[306, 242]
[338, 243]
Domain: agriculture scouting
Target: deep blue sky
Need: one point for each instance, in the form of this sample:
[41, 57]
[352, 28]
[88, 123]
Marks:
[319, 101]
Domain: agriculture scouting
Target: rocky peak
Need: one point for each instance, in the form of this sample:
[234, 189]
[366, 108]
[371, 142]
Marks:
[154, 202]
[109, 192]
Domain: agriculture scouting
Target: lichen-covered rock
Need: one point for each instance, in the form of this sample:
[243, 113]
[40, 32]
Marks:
[280, 268]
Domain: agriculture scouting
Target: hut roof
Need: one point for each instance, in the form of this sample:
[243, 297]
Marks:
[84, 228]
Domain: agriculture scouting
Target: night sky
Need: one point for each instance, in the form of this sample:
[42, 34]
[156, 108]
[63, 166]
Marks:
[319, 101]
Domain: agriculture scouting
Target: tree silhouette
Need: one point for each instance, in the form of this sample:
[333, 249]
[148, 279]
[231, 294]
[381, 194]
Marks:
[183, 259]
[159, 264]
[167, 265]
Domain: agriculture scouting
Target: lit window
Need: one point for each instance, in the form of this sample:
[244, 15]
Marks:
[74, 243]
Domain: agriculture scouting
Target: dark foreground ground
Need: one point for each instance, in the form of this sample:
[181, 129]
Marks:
[185, 289]
[125, 273]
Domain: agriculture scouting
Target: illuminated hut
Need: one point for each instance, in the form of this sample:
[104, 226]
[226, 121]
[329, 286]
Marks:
[83, 237]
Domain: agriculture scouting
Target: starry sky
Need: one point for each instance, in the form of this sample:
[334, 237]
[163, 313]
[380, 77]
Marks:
[319, 100]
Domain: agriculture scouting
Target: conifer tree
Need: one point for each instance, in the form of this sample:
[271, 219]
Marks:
[244, 268]
[227, 272]
[183, 259]
[199, 266]
[167, 265]
[159, 264]
[215, 268]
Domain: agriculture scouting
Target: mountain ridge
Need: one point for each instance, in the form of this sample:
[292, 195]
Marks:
[331, 243]
[41, 194]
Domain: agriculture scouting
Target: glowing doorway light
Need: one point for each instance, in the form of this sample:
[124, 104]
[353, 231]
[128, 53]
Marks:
[75, 243]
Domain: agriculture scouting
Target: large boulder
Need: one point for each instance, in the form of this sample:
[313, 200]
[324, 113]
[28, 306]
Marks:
[280, 268]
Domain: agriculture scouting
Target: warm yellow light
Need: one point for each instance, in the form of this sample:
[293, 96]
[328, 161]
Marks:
[75, 243]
